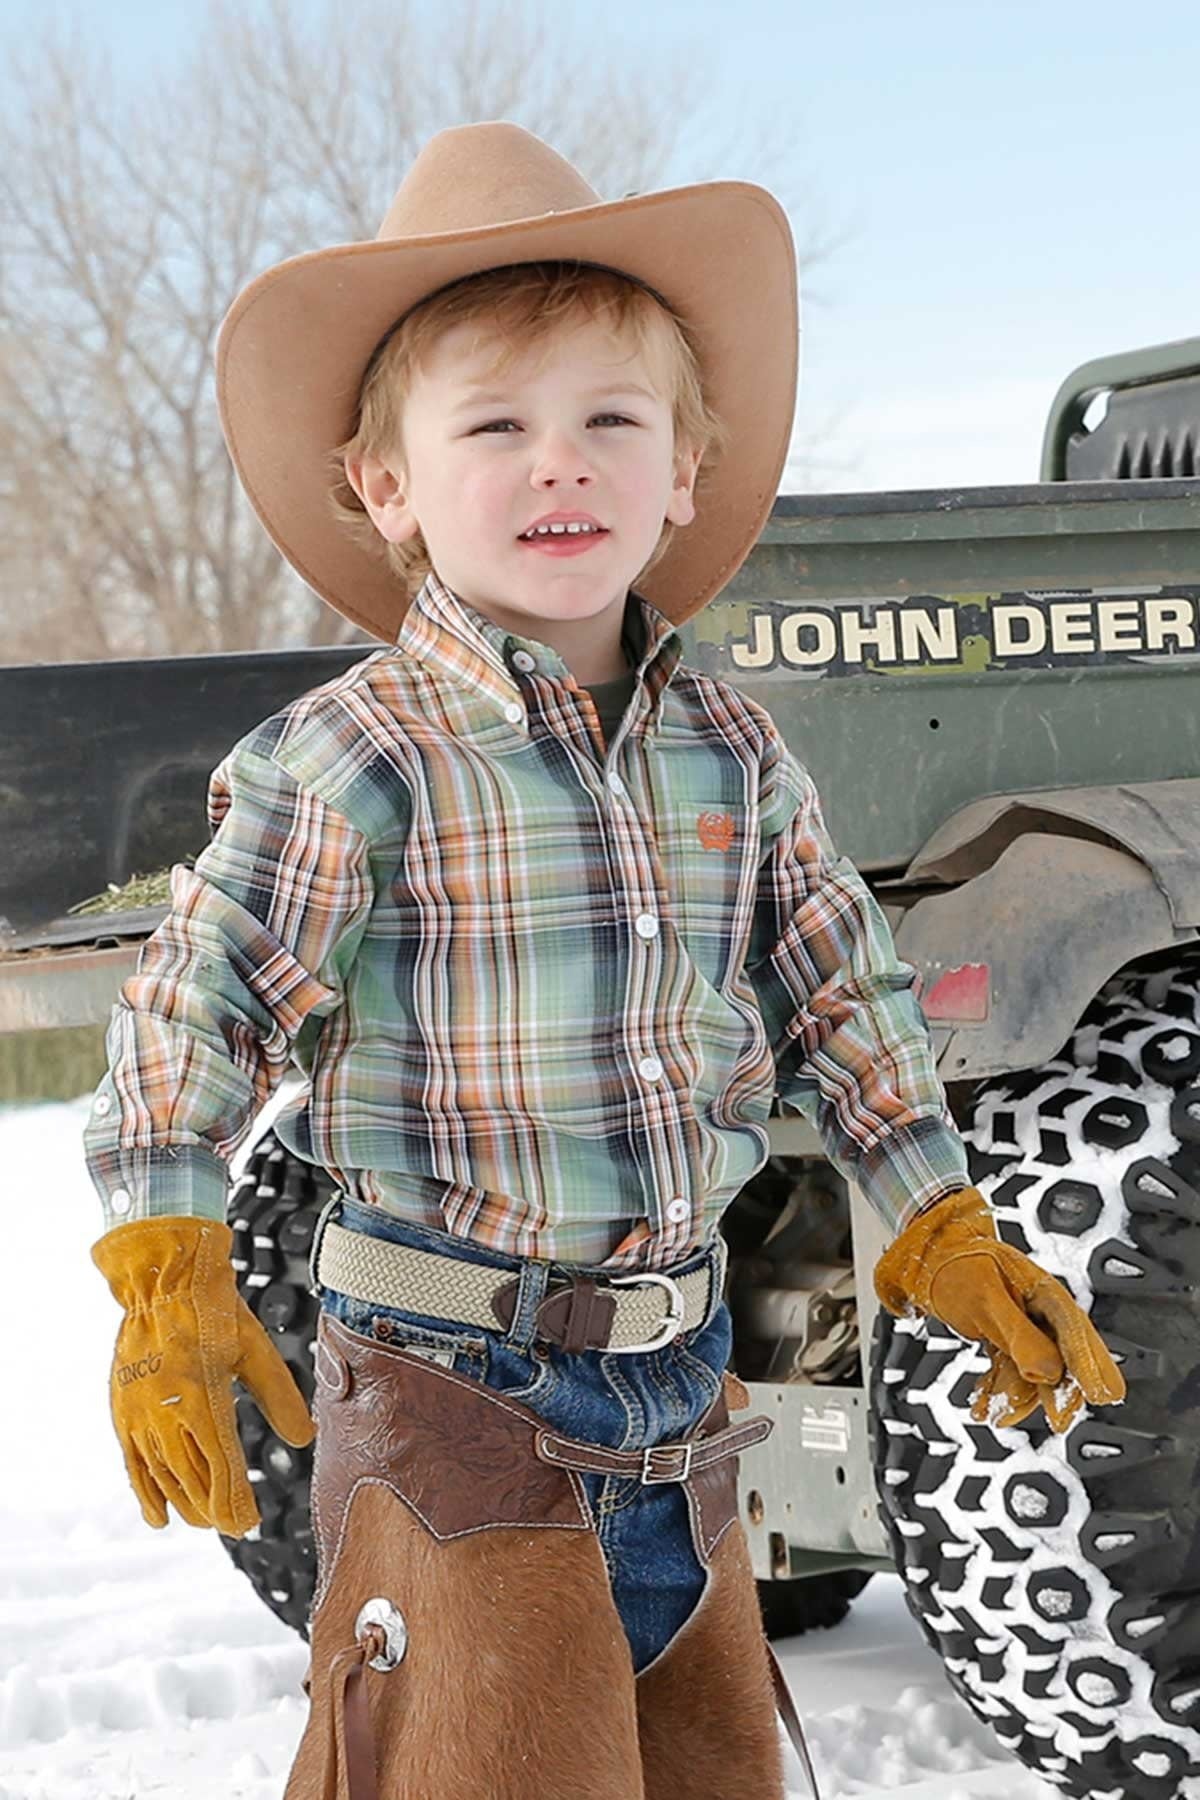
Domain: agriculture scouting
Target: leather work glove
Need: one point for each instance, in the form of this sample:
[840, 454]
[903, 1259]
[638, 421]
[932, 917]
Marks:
[186, 1334]
[1045, 1351]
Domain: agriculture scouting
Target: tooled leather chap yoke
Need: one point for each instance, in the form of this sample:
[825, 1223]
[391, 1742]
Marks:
[461, 1457]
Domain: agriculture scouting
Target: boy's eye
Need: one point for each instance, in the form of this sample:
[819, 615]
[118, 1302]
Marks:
[493, 423]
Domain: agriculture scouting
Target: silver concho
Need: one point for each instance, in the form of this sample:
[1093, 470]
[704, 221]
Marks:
[380, 1611]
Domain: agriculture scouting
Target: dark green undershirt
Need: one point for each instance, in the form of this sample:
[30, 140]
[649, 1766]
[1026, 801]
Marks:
[611, 698]
[612, 701]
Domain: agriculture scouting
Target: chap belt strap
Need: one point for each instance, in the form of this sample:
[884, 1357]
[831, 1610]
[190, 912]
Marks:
[659, 1462]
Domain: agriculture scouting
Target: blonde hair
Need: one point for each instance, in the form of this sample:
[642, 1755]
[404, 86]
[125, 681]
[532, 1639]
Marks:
[522, 305]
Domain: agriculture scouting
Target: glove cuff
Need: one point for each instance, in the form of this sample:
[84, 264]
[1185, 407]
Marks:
[148, 1261]
[953, 1226]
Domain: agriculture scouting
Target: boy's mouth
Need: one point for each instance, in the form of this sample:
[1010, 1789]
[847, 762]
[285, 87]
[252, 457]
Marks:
[564, 543]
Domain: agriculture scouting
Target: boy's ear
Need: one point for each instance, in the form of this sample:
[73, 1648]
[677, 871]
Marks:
[681, 508]
[381, 489]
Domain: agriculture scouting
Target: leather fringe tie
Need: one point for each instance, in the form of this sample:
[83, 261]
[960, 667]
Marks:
[349, 1765]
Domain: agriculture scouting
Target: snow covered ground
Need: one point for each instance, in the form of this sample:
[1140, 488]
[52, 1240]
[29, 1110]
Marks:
[136, 1663]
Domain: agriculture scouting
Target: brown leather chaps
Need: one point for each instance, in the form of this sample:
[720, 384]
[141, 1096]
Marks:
[465, 1644]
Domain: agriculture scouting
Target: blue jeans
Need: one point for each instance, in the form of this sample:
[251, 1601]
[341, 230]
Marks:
[624, 1401]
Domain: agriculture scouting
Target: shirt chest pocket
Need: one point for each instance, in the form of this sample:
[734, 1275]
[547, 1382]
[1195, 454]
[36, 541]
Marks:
[711, 873]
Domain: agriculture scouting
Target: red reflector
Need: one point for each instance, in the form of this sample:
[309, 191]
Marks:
[961, 995]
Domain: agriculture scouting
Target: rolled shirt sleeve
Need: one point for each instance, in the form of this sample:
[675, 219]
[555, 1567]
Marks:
[852, 1049]
[259, 937]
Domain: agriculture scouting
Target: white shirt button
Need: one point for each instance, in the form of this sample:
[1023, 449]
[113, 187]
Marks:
[523, 661]
[650, 1068]
[677, 1210]
[646, 925]
[614, 781]
[103, 1104]
[120, 1201]
[514, 713]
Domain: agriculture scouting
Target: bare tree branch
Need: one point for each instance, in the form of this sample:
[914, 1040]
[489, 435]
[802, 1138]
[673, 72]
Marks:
[131, 216]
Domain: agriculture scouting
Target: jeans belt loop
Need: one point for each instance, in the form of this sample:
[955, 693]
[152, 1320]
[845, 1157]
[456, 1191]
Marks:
[532, 1283]
[716, 1277]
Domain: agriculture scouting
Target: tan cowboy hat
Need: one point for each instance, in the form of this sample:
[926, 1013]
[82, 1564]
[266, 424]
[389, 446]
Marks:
[295, 343]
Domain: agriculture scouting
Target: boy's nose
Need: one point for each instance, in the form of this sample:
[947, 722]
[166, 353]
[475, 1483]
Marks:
[559, 458]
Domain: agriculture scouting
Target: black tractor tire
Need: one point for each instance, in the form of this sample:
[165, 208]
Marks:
[273, 1208]
[1058, 1577]
[808, 1602]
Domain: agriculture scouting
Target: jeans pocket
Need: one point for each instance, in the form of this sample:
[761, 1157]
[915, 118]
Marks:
[462, 1348]
[699, 1358]
[525, 1375]
[703, 1383]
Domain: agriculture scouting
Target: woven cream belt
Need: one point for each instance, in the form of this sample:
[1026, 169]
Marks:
[647, 1309]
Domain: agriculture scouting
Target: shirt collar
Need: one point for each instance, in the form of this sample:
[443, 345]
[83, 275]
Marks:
[451, 639]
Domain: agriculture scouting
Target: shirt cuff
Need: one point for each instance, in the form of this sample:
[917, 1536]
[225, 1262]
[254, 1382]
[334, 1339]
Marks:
[163, 1180]
[911, 1167]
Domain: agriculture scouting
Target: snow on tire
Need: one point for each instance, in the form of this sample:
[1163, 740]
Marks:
[1059, 1577]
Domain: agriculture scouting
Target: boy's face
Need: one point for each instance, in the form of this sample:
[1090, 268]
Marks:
[589, 432]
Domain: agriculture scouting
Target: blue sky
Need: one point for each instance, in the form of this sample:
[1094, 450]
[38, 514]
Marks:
[1017, 179]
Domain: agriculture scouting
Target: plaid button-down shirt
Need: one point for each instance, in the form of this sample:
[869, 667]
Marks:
[542, 990]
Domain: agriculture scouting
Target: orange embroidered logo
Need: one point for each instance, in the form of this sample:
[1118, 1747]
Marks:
[715, 830]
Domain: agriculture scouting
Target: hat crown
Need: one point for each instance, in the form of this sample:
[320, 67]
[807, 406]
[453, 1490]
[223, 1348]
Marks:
[483, 175]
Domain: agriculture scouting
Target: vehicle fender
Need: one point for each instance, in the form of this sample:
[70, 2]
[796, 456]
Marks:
[1010, 958]
[1156, 821]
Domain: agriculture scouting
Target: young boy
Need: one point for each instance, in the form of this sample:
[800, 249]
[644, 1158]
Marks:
[544, 916]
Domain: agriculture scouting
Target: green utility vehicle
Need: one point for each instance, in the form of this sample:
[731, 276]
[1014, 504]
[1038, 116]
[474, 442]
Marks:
[997, 691]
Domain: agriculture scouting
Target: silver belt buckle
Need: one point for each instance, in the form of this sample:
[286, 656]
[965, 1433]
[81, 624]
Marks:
[671, 1325]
